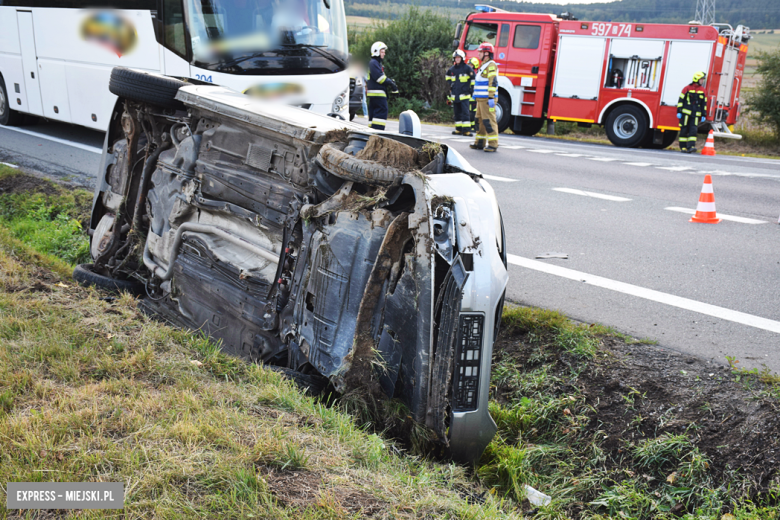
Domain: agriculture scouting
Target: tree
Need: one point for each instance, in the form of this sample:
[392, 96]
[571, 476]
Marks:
[415, 32]
[765, 100]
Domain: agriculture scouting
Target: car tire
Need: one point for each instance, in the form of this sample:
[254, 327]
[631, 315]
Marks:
[348, 167]
[85, 275]
[530, 126]
[626, 126]
[8, 117]
[144, 87]
[503, 109]
[351, 115]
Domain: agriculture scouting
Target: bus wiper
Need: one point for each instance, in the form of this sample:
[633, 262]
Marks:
[241, 59]
[319, 49]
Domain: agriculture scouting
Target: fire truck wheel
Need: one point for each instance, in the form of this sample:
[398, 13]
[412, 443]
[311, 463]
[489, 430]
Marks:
[503, 112]
[148, 88]
[626, 126]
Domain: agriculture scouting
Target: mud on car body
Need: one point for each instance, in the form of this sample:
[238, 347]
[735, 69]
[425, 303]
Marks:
[373, 262]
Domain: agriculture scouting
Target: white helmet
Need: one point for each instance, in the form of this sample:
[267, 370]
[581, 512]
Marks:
[377, 47]
[459, 53]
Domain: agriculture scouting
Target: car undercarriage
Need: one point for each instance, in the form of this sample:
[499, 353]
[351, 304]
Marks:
[366, 261]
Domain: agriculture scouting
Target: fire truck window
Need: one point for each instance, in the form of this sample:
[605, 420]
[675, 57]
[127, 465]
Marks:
[527, 36]
[503, 40]
[480, 32]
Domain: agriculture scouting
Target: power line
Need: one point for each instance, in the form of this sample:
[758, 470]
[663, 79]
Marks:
[705, 12]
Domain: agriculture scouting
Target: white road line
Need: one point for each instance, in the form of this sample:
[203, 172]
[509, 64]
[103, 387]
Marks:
[499, 179]
[674, 168]
[463, 140]
[85, 147]
[541, 151]
[742, 220]
[603, 159]
[570, 155]
[649, 294]
[9, 165]
[591, 194]
[513, 147]
[637, 164]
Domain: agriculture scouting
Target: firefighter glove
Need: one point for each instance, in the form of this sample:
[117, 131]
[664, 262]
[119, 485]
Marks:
[679, 116]
[492, 103]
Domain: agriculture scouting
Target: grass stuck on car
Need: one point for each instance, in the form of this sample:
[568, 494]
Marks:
[371, 264]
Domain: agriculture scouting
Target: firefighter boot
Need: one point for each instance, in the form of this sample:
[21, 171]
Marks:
[491, 148]
[479, 144]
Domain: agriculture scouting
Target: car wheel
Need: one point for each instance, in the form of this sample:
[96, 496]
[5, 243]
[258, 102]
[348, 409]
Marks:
[85, 274]
[8, 117]
[148, 88]
[503, 113]
[626, 126]
[348, 167]
[530, 126]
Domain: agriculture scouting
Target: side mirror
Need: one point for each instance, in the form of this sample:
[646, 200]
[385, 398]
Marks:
[455, 44]
[458, 30]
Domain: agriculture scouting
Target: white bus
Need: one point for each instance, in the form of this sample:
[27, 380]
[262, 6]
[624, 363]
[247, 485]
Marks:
[56, 56]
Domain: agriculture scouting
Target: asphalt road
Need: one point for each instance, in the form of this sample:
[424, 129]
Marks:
[633, 264]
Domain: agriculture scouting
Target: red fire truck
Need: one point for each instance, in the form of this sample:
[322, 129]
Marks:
[624, 76]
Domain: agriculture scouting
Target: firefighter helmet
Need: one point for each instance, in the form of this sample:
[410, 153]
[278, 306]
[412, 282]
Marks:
[699, 76]
[377, 47]
[459, 53]
[486, 46]
[474, 62]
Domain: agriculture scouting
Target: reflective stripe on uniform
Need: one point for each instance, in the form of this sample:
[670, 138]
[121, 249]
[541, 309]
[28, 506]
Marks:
[449, 78]
[465, 96]
[376, 93]
[463, 79]
[381, 79]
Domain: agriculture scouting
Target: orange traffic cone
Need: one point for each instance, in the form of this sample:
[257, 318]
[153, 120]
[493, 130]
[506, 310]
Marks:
[709, 146]
[705, 210]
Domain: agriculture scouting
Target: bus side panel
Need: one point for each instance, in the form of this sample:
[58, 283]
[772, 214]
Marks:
[9, 32]
[84, 103]
[13, 76]
[54, 90]
[59, 36]
[29, 62]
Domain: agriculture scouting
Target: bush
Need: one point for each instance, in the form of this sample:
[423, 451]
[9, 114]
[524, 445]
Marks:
[765, 99]
[432, 66]
[415, 33]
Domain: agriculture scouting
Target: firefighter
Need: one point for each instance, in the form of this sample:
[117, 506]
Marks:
[474, 63]
[485, 91]
[459, 76]
[691, 110]
[377, 87]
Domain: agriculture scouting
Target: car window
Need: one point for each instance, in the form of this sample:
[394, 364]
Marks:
[480, 32]
[527, 36]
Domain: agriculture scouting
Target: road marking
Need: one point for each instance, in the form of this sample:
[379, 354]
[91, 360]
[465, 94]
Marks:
[637, 164]
[742, 220]
[570, 155]
[674, 168]
[463, 140]
[496, 178]
[9, 165]
[85, 147]
[591, 194]
[541, 151]
[649, 294]
[513, 147]
[602, 159]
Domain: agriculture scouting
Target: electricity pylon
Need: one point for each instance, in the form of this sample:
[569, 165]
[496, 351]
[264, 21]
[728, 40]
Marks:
[705, 12]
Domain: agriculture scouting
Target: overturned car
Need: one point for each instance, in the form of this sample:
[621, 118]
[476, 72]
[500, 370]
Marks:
[367, 261]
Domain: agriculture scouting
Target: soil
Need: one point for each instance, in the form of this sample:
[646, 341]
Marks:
[302, 489]
[337, 136]
[389, 152]
[22, 183]
[729, 420]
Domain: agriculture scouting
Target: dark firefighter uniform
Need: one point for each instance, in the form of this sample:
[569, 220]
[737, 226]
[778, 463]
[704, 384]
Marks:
[377, 87]
[485, 92]
[459, 77]
[690, 109]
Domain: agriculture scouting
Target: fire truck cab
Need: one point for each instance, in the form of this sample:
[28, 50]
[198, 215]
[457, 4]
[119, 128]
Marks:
[624, 76]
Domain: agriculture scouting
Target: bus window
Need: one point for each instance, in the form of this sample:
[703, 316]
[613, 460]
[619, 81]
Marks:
[480, 32]
[527, 36]
[503, 40]
[173, 27]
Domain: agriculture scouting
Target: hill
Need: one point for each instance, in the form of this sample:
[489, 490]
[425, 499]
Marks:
[756, 14]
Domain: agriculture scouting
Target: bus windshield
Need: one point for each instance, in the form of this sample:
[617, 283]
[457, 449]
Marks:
[239, 36]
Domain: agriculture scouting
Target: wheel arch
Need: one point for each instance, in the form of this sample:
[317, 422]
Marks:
[615, 103]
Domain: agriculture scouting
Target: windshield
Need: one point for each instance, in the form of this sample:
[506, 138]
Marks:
[236, 35]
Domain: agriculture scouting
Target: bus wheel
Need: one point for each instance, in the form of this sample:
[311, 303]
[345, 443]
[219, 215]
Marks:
[144, 87]
[8, 117]
[503, 113]
[626, 126]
